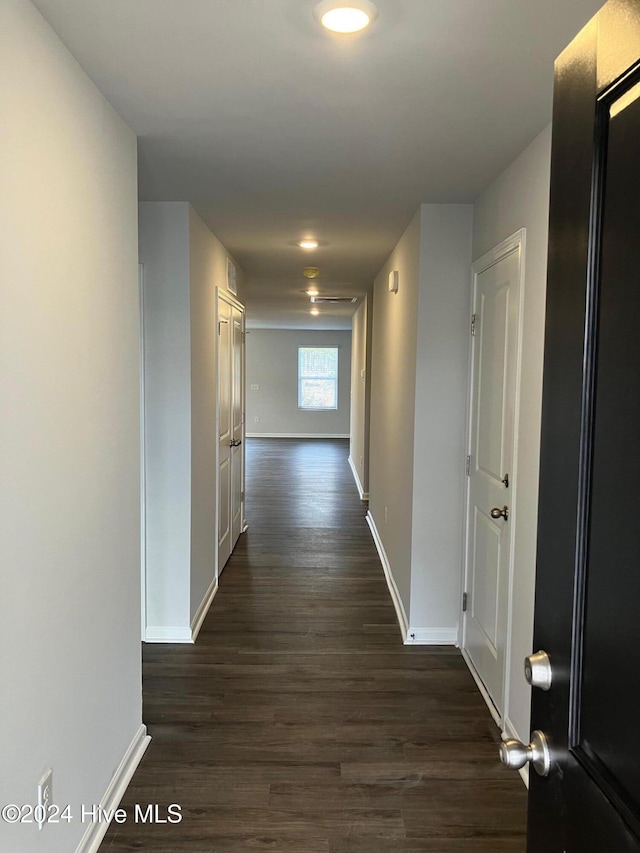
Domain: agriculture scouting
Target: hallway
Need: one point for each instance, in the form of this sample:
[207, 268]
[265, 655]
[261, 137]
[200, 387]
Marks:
[299, 723]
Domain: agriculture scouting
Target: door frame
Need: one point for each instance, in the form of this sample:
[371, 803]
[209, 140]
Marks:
[143, 464]
[516, 242]
[221, 293]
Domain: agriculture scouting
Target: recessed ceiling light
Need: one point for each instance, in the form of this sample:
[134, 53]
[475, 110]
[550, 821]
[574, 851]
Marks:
[314, 311]
[313, 291]
[308, 244]
[311, 272]
[346, 16]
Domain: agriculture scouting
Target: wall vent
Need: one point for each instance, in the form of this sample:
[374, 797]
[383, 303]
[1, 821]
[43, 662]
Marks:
[334, 300]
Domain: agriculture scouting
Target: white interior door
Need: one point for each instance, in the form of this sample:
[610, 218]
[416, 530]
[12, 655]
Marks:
[496, 309]
[230, 426]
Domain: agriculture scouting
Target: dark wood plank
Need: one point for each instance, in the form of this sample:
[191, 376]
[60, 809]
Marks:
[299, 723]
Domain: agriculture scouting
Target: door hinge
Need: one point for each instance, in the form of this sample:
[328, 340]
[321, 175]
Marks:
[474, 317]
[468, 466]
[241, 496]
[244, 337]
[465, 601]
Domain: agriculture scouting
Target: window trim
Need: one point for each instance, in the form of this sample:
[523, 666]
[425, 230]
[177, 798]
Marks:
[333, 379]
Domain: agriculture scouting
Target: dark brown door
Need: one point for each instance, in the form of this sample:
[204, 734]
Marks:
[588, 585]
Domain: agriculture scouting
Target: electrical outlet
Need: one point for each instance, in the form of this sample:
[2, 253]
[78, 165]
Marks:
[255, 387]
[44, 798]
[256, 420]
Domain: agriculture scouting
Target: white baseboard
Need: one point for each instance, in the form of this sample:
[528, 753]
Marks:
[113, 795]
[495, 713]
[295, 435]
[168, 634]
[510, 732]
[432, 637]
[203, 609]
[393, 589]
[364, 496]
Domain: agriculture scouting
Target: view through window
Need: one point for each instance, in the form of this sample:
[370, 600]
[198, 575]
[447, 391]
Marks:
[318, 378]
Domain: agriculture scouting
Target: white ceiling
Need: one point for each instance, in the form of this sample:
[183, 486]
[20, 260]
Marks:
[274, 129]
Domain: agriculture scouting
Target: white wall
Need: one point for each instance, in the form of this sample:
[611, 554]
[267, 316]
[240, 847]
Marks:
[183, 264]
[360, 395]
[440, 413]
[393, 392]
[69, 437]
[272, 363]
[164, 252]
[418, 401]
[520, 198]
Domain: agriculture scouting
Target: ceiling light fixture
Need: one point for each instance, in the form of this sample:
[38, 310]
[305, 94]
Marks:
[308, 244]
[313, 291]
[311, 272]
[346, 16]
[314, 311]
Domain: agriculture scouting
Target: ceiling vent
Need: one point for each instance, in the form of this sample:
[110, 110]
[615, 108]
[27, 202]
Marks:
[334, 300]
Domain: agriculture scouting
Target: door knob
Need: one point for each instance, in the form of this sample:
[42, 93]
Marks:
[515, 754]
[496, 512]
[538, 671]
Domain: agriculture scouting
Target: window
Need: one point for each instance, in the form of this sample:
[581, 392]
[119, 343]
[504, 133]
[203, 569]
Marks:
[318, 378]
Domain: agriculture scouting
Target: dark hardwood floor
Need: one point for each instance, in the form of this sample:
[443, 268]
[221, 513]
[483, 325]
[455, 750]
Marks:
[299, 723]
